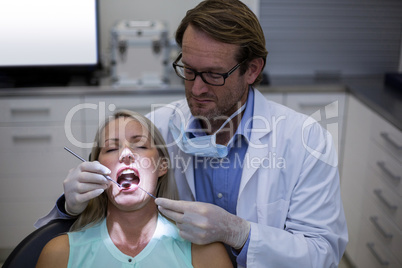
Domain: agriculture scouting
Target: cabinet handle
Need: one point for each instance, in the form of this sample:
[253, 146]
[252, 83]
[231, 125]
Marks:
[388, 139]
[385, 234]
[32, 139]
[379, 195]
[382, 166]
[382, 262]
[30, 111]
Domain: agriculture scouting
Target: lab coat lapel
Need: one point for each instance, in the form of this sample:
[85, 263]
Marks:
[256, 149]
[184, 161]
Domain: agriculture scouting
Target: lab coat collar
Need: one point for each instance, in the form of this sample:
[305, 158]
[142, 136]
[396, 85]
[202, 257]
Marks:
[261, 127]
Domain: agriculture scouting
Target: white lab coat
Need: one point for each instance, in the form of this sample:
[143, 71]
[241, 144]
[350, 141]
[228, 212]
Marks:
[289, 189]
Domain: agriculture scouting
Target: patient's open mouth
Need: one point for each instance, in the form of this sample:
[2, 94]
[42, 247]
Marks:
[128, 177]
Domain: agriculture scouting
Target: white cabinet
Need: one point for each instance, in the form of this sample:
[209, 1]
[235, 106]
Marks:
[357, 140]
[33, 163]
[371, 188]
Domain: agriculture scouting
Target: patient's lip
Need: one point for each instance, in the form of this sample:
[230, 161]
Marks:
[121, 170]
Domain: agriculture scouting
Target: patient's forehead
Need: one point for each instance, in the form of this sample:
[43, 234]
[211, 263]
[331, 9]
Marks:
[125, 129]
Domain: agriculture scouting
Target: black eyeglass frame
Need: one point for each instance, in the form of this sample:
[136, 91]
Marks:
[224, 75]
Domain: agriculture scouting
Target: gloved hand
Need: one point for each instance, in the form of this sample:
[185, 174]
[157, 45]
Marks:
[82, 184]
[204, 223]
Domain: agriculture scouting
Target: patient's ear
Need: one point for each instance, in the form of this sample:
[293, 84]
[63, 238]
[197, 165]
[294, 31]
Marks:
[163, 167]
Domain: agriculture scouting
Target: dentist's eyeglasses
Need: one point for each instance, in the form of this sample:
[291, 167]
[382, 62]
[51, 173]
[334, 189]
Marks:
[214, 79]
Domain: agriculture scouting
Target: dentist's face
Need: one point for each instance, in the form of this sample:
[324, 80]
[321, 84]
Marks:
[131, 156]
[204, 54]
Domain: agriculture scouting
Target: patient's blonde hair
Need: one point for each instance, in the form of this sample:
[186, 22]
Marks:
[166, 186]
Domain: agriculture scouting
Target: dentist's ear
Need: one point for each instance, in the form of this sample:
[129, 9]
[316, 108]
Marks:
[163, 167]
[255, 67]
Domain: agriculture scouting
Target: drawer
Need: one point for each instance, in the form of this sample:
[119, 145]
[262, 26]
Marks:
[36, 150]
[99, 107]
[384, 197]
[387, 167]
[31, 165]
[388, 137]
[28, 110]
[372, 255]
[33, 188]
[383, 235]
[39, 138]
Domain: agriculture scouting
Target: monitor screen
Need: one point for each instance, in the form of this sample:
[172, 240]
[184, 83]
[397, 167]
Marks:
[48, 34]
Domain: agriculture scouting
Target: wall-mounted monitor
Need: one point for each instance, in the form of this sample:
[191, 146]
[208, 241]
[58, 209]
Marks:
[45, 42]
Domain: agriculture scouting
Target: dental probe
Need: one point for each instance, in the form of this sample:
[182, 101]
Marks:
[107, 177]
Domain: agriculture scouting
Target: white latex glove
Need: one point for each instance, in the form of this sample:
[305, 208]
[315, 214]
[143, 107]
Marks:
[82, 184]
[204, 223]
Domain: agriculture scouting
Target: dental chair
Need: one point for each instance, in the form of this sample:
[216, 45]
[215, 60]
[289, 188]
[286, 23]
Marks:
[27, 252]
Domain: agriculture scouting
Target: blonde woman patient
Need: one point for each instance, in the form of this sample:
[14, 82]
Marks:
[122, 227]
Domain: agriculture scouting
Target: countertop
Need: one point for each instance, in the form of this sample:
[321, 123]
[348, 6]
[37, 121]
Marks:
[386, 101]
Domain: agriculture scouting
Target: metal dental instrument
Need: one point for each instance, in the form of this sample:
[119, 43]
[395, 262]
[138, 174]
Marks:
[124, 185]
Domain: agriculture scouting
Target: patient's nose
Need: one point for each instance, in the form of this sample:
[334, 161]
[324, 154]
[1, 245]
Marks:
[126, 156]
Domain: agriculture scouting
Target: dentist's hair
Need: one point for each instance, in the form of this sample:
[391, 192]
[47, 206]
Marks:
[166, 186]
[231, 22]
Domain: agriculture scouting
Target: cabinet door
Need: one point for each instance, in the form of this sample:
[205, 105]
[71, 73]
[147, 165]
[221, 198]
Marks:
[353, 172]
[32, 169]
[33, 132]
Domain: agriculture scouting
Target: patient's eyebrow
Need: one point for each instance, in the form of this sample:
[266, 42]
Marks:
[112, 140]
[135, 137]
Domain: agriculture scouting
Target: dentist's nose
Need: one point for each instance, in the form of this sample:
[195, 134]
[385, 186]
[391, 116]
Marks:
[199, 86]
[126, 156]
